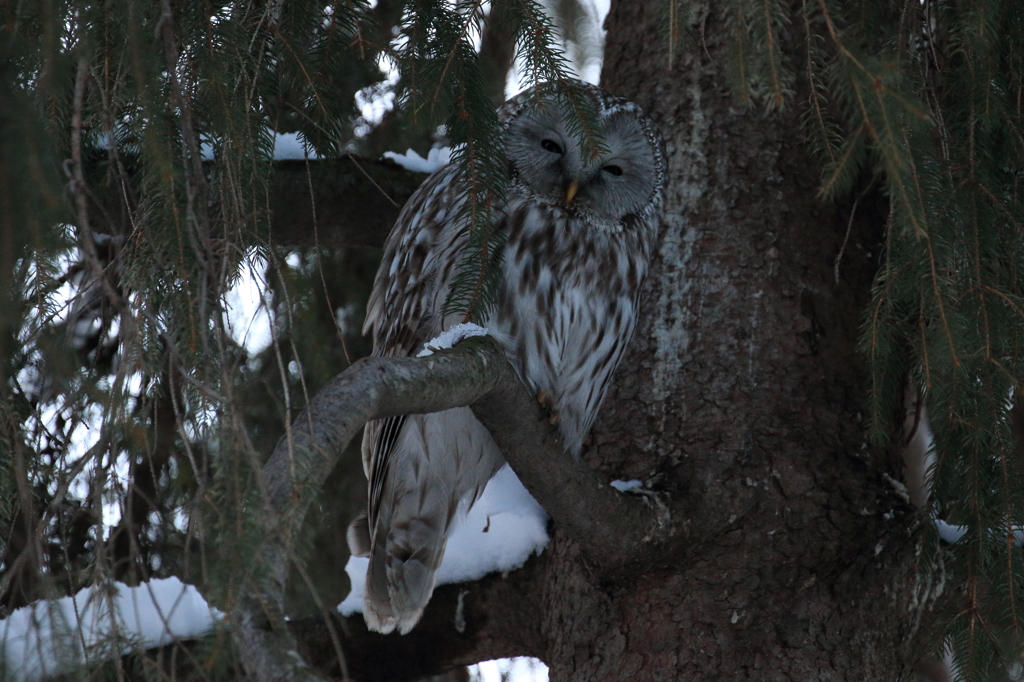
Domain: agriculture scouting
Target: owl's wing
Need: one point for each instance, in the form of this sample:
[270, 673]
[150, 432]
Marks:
[384, 437]
[402, 312]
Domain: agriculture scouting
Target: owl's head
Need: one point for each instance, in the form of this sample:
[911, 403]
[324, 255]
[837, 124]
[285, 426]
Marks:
[547, 159]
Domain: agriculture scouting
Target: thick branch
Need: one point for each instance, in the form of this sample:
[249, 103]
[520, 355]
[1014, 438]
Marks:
[614, 530]
[611, 528]
[356, 201]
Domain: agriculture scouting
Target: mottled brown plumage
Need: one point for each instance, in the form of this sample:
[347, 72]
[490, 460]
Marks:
[579, 235]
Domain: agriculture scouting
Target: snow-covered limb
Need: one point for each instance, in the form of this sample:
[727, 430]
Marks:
[450, 337]
[47, 638]
[436, 158]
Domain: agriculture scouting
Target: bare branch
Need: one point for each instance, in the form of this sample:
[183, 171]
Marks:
[613, 529]
[356, 201]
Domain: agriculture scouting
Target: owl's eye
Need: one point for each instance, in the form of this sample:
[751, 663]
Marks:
[614, 170]
[551, 146]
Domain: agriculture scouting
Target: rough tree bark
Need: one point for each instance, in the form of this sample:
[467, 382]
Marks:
[742, 394]
[740, 402]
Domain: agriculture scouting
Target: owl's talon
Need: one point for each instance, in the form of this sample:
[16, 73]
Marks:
[548, 403]
[544, 398]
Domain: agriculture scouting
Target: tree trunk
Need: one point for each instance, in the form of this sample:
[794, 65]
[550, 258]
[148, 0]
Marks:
[742, 395]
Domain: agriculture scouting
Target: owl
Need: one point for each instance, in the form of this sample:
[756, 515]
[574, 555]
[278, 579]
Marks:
[579, 233]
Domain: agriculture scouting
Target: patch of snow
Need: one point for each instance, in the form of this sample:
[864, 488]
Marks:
[948, 532]
[919, 453]
[376, 100]
[356, 569]
[623, 486]
[247, 314]
[521, 669]
[450, 337]
[436, 158]
[348, 319]
[500, 532]
[47, 638]
[289, 146]
[952, 534]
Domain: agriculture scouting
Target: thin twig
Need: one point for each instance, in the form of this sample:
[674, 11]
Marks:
[849, 226]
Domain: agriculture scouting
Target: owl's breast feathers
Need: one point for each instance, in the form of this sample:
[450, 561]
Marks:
[569, 303]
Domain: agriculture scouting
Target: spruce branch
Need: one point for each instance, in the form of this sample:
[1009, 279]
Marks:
[839, 174]
[356, 200]
[548, 73]
[736, 20]
[677, 29]
[774, 18]
[821, 129]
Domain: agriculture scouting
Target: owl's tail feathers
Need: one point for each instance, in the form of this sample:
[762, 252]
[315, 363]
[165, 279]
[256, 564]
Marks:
[402, 574]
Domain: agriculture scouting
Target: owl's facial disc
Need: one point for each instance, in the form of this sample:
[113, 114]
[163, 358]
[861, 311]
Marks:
[548, 159]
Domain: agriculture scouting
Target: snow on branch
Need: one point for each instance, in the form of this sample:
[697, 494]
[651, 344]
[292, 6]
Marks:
[58, 637]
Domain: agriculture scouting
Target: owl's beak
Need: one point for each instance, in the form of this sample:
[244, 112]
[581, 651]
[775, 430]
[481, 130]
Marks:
[570, 192]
